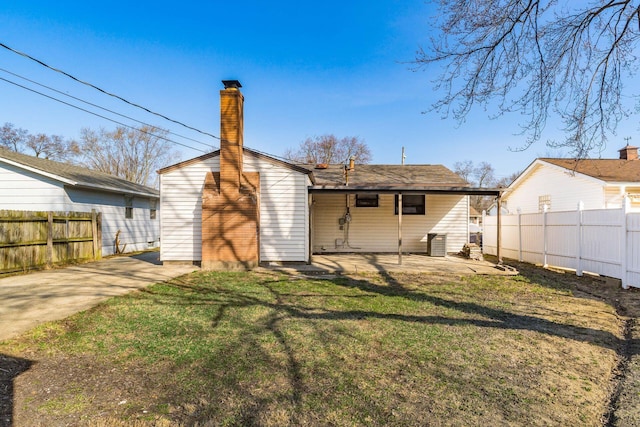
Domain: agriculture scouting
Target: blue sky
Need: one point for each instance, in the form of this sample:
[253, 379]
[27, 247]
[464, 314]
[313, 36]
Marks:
[307, 69]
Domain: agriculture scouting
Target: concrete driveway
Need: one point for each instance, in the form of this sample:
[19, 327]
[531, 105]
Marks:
[30, 299]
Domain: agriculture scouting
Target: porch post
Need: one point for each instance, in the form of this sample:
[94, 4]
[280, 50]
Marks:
[400, 229]
[499, 231]
[545, 208]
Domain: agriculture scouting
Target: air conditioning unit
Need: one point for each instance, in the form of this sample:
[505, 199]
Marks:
[437, 244]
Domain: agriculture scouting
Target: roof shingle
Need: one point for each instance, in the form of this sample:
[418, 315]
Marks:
[390, 175]
[611, 170]
[80, 177]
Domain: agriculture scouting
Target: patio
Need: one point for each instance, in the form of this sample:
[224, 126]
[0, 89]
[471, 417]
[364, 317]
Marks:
[380, 263]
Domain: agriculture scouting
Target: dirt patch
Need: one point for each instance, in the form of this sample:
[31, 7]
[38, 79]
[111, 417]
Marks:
[49, 394]
[624, 401]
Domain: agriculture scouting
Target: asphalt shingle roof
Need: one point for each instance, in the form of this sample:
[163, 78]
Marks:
[80, 176]
[390, 175]
[611, 170]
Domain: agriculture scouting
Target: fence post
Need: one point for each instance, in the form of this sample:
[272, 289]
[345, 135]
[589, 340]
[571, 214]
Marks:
[520, 234]
[49, 238]
[99, 234]
[545, 208]
[579, 239]
[623, 243]
[94, 232]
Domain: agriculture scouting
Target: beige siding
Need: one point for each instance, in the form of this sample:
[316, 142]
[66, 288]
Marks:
[614, 195]
[283, 211]
[564, 189]
[376, 229]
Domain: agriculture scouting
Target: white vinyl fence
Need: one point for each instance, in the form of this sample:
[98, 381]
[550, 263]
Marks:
[601, 241]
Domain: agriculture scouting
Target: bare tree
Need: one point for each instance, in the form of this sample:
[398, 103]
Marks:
[132, 154]
[52, 147]
[13, 138]
[481, 175]
[465, 170]
[329, 149]
[539, 58]
[505, 181]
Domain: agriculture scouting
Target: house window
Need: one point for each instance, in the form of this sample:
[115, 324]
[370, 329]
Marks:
[366, 200]
[128, 207]
[153, 206]
[544, 200]
[412, 204]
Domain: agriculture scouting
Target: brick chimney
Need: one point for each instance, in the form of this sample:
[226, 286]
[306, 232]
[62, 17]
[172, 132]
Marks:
[231, 134]
[230, 198]
[628, 153]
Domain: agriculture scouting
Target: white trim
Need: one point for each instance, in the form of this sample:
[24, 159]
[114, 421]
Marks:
[38, 171]
[76, 184]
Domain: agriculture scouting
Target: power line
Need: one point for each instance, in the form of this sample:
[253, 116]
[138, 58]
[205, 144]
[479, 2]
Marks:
[275, 156]
[104, 91]
[98, 106]
[99, 115]
[114, 96]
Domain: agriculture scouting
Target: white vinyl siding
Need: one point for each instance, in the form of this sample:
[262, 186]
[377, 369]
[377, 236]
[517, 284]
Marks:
[181, 211]
[24, 190]
[376, 229]
[28, 191]
[564, 189]
[284, 224]
[284, 211]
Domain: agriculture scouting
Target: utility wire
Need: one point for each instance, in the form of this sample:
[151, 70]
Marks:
[114, 96]
[99, 115]
[275, 156]
[104, 91]
[97, 106]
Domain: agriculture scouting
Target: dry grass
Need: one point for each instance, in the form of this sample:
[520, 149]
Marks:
[267, 349]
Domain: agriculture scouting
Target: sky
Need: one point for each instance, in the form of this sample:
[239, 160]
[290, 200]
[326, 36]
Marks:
[307, 69]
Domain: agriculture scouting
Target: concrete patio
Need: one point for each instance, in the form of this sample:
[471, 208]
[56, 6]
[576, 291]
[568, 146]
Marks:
[381, 263]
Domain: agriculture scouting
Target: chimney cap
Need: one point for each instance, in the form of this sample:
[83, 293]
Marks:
[231, 84]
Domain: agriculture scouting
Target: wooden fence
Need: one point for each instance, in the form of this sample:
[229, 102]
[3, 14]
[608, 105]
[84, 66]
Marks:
[601, 241]
[30, 239]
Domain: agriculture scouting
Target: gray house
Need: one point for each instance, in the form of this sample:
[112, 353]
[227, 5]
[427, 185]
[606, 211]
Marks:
[29, 183]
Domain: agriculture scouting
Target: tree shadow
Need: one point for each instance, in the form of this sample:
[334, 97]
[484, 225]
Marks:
[10, 368]
[284, 305]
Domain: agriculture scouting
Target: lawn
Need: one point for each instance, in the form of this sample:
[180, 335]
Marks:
[267, 348]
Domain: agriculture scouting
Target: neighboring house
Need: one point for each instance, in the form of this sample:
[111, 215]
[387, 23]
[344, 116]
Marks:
[29, 183]
[474, 216]
[561, 184]
[236, 207]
